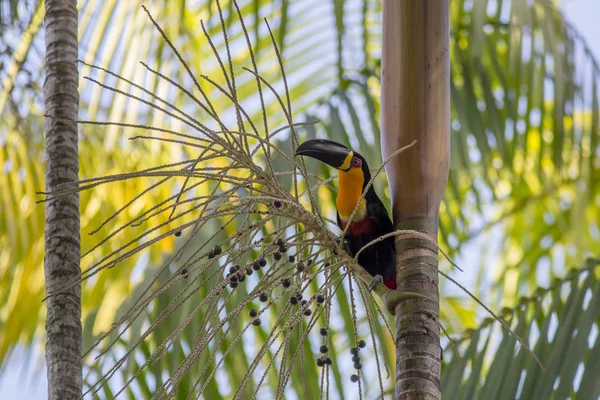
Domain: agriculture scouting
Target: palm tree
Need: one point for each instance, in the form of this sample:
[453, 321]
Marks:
[415, 100]
[521, 184]
[61, 261]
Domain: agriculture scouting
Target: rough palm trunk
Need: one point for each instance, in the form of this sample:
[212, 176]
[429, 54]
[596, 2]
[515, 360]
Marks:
[61, 263]
[416, 106]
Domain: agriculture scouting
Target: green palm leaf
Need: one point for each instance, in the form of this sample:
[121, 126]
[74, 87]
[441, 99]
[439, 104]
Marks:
[561, 325]
[524, 169]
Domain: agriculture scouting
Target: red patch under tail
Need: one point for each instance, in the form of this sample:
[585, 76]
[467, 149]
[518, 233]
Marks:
[391, 283]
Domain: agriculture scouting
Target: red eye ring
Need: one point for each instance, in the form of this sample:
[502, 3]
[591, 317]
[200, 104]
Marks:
[356, 162]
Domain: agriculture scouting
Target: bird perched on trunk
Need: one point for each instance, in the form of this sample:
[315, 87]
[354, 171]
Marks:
[371, 219]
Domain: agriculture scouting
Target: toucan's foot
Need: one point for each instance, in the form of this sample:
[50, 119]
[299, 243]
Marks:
[377, 279]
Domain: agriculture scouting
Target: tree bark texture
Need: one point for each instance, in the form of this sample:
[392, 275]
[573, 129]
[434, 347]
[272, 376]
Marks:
[415, 102]
[61, 262]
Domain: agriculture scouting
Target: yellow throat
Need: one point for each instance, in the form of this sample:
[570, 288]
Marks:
[350, 190]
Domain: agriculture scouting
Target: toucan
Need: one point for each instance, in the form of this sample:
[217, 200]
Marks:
[371, 219]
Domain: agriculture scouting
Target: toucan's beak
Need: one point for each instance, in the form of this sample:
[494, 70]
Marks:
[332, 153]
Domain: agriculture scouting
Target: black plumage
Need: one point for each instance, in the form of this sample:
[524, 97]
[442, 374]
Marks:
[379, 258]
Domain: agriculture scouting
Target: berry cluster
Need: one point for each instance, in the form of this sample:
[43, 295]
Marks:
[324, 349]
[253, 314]
[235, 276]
[355, 351]
[282, 245]
[216, 251]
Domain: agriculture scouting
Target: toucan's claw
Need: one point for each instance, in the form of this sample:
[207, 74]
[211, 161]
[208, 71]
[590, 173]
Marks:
[377, 279]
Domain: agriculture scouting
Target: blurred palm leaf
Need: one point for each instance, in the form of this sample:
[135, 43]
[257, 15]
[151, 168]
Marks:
[23, 243]
[525, 143]
[525, 138]
[561, 325]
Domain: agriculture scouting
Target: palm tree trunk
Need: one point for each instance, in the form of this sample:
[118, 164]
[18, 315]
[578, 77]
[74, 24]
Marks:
[415, 101]
[61, 263]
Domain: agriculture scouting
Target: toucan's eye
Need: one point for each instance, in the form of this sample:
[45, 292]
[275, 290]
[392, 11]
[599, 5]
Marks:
[356, 162]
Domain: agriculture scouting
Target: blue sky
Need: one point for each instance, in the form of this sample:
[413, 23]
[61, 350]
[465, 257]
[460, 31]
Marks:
[27, 379]
[583, 14]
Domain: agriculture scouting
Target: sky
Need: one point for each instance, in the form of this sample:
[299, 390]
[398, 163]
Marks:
[583, 15]
[28, 380]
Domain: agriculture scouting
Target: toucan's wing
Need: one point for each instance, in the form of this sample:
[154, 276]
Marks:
[379, 215]
[385, 255]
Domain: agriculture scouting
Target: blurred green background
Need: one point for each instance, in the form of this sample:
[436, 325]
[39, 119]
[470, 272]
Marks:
[521, 208]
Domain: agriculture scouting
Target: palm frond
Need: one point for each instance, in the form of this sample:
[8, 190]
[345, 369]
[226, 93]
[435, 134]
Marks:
[226, 195]
[561, 324]
[525, 139]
